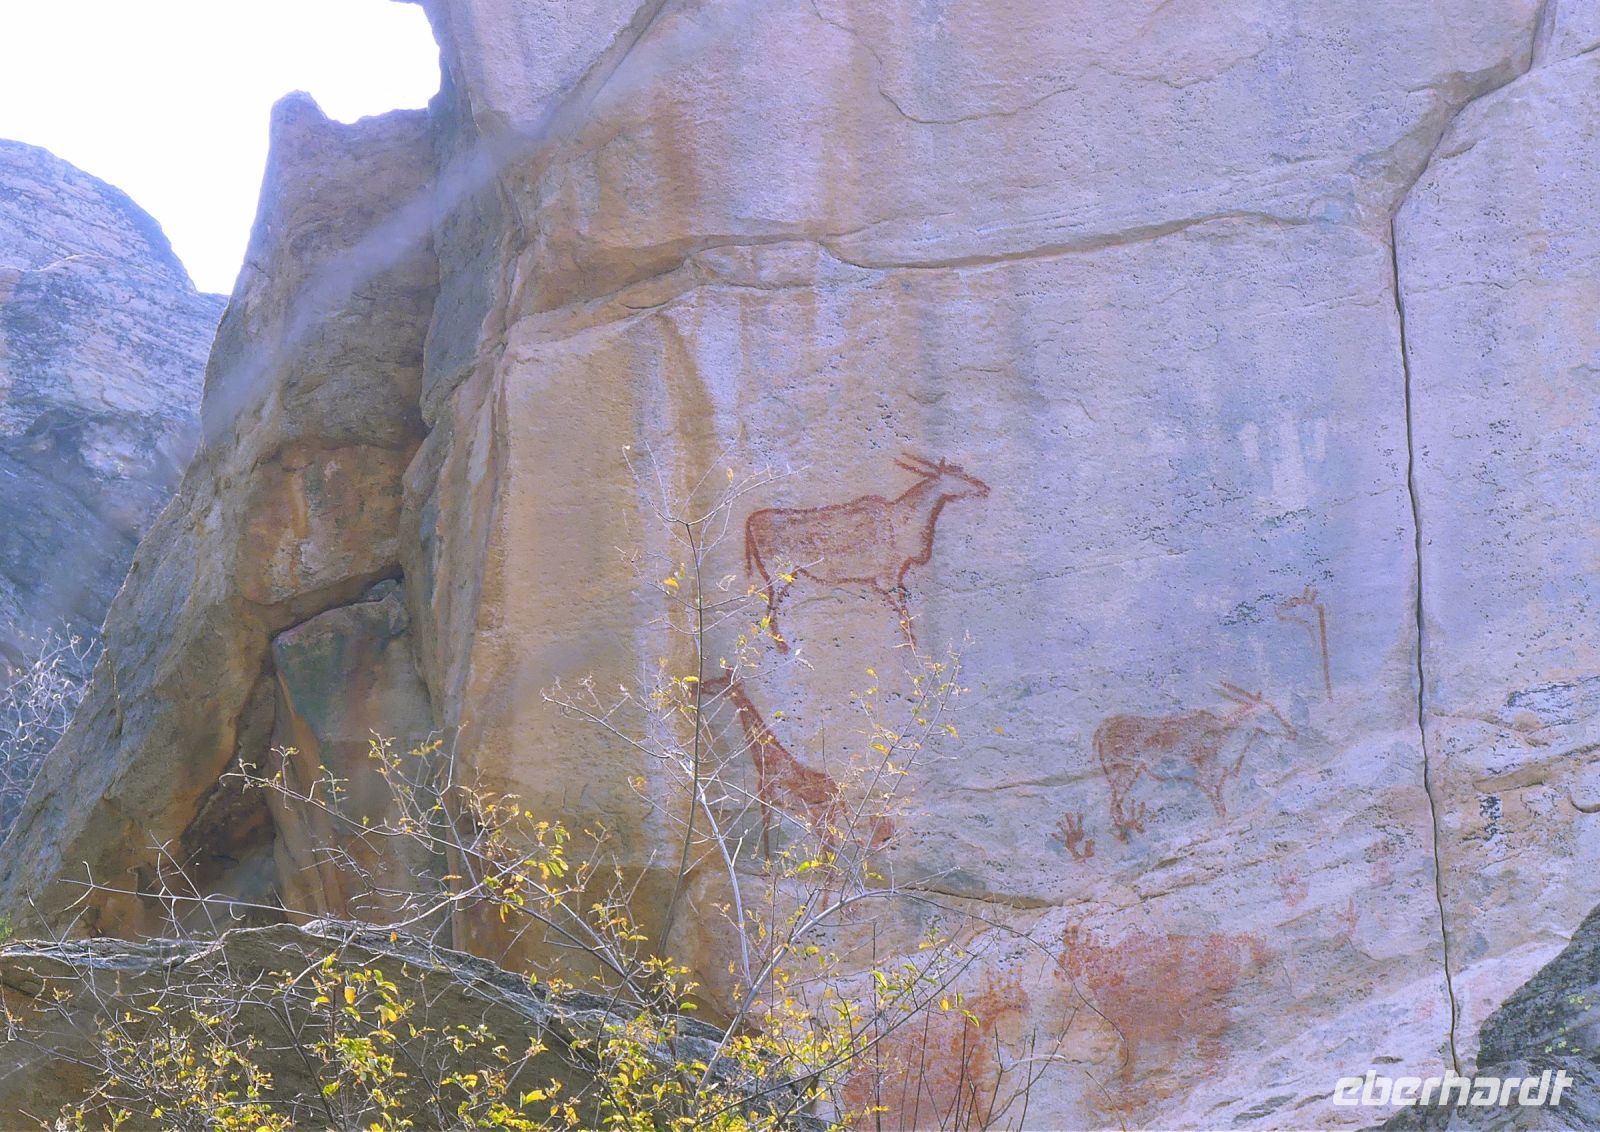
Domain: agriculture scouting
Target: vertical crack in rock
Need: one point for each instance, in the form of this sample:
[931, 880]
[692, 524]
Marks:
[1422, 673]
[1539, 31]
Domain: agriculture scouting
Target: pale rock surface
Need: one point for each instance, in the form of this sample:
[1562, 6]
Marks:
[1500, 266]
[103, 341]
[1157, 276]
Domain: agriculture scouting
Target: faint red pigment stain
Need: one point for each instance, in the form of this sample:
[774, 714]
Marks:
[944, 1069]
[1291, 885]
[1306, 609]
[1164, 995]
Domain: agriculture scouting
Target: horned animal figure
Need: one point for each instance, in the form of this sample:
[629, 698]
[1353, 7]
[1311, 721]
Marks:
[1306, 610]
[779, 774]
[868, 541]
[1197, 746]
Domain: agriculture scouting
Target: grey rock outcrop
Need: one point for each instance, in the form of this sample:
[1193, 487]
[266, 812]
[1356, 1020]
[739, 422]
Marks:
[103, 343]
[1550, 1023]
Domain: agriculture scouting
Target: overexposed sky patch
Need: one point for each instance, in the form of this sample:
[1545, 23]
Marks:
[169, 99]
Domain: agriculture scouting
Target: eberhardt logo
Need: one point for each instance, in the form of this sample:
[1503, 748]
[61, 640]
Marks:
[1481, 1092]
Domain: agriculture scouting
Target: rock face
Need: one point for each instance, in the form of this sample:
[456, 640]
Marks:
[1224, 372]
[103, 341]
[291, 508]
[343, 678]
[1549, 1023]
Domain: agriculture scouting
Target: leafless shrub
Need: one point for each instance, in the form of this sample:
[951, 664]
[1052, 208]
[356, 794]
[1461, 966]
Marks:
[37, 698]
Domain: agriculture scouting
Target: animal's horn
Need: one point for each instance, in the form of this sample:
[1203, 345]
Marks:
[915, 459]
[1234, 692]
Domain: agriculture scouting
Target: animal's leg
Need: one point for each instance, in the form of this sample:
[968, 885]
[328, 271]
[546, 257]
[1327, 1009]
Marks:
[754, 565]
[774, 596]
[763, 793]
[1130, 1052]
[1322, 640]
[1215, 792]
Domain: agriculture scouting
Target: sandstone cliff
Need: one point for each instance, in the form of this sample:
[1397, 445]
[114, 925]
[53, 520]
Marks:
[1267, 334]
[103, 341]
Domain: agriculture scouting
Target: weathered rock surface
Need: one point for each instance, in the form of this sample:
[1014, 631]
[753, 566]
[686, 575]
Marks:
[1498, 261]
[344, 678]
[103, 341]
[1551, 1022]
[1263, 342]
[291, 508]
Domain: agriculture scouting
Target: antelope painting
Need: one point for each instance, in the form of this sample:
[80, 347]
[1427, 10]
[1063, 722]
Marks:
[1306, 610]
[869, 541]
[1201, 747]
[781, 776]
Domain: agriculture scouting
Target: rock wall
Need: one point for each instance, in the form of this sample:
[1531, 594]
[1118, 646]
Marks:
[103, 341]
[291, 508]
[1260, 341]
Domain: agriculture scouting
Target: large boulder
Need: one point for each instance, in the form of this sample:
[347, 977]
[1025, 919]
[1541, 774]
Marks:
[291, 508]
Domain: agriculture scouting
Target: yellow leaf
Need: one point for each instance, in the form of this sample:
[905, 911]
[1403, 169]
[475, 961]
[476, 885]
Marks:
[349, 996]
[670, 583]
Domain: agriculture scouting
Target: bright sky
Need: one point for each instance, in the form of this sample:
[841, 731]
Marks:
[168, 99]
